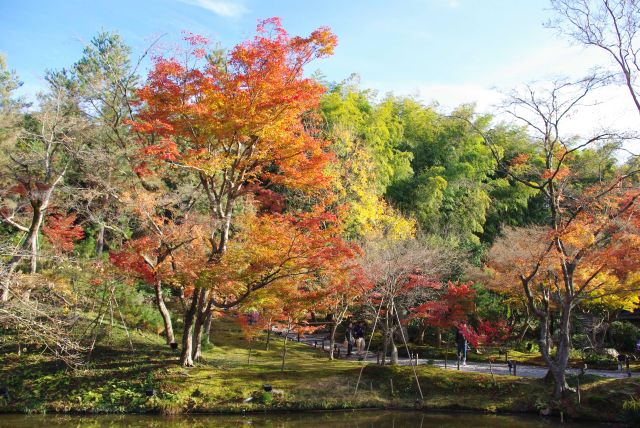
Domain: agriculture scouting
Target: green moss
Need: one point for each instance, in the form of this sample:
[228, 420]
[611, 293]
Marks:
[118, 380]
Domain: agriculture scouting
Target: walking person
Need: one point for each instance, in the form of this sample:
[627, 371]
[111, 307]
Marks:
[348, 337]
[462, 346]
[358, 333]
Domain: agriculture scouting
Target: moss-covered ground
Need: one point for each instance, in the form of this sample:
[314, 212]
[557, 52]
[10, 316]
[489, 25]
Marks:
[148, 379]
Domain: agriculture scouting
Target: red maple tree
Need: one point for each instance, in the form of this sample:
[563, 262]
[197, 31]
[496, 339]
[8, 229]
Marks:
[241, 125]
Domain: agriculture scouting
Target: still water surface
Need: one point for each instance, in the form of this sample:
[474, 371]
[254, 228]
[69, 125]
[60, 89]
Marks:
[359, 419]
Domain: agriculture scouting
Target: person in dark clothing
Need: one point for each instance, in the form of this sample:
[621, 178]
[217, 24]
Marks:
[348, 337]
[461, 343]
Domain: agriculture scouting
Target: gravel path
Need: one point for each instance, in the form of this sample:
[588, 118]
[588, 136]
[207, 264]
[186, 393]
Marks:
[472, 366]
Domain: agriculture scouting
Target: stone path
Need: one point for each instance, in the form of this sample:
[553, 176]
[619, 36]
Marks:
[476, 367]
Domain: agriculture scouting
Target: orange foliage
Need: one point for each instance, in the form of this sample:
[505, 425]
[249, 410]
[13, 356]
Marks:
[242, 117]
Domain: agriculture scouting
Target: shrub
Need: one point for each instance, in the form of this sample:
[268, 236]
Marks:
[526, 346]
[631, 410]
[580, 341]
[624, 335]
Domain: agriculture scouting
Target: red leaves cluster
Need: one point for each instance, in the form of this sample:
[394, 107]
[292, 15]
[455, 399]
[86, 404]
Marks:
[450, 309]
[131, 258]
[62, 231]
[487, 333]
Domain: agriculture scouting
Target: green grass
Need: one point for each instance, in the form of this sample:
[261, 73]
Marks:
[117, 379]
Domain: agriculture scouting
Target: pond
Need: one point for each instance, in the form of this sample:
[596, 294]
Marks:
[351, 419]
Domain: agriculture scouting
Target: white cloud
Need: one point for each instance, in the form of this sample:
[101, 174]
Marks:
[447, 95]
[223, 8]
[550, 60]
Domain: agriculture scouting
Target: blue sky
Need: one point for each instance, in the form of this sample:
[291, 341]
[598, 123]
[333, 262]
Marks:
[390, 44]
[449, 51]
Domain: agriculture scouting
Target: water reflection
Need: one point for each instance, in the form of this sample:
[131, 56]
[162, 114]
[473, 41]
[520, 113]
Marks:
[357, 419]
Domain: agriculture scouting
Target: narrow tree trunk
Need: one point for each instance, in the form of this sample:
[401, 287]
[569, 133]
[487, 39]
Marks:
[100, 241]
[164, 312]
[284, 351]
[385, 348]
[332, 339]
[527, 325]
[207, 327]
[33, 266]
[201, 314]
[421, 334]
[187, 338]
[197, 339]
[29, 245]
[438, 337]
[268, 336]
[32, 238]
[523, 333]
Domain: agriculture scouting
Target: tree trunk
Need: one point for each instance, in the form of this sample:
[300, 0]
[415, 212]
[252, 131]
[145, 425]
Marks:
[523, 333]
[187, 338]
[421, 334]
[268, 336]
[29, 245]
[284, 350]
[332, 339]
[32, 237]
[100, 241]
[197, 339]
[438, 337]
[563, 347]
[385, 348]
[201, 313]
[394, 352]
[164, 312]
[558, 363]
[207, 327]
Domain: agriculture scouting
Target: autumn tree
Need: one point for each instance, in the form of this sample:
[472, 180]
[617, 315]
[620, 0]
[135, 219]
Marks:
[402, 273]
[169, 251]
[563, 263]
[343, 288]
[32, 170]
[240, 125]
[486, 333]
[449, 308]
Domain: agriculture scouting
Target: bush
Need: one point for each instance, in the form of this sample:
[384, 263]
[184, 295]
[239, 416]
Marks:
[599, 361]
[526, 346]
[580, 341]
[624, 336]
